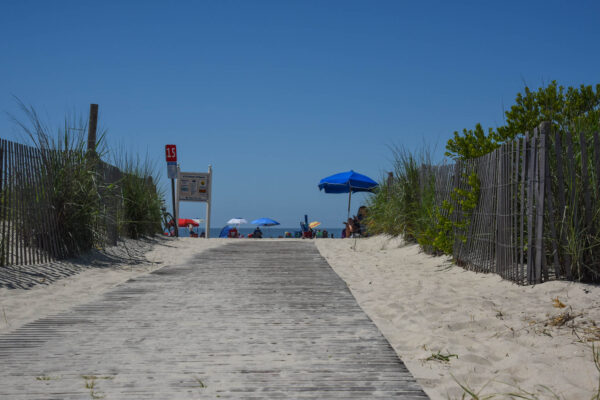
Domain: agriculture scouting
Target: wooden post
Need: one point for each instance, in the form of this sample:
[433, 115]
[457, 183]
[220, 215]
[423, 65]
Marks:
[92, 127]
[522, 207]
[597, 162]
[562, 202]
[551, 219]
[540, 267]
[500, 212]
[572, 207]
[3, 204]
[390, 182]
[530, 197]
[208, 203]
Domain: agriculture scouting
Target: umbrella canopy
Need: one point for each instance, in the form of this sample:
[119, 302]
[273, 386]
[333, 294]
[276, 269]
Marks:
[344, 182]
[183, 222]
[314, 224]
[265, 222]
[347, 182]
[237, 221]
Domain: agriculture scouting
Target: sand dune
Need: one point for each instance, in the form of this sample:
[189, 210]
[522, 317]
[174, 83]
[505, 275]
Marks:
[499, 331]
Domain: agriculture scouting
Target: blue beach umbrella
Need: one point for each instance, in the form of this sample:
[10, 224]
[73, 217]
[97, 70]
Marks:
[347, 182]
[225, 231]
[264, 222]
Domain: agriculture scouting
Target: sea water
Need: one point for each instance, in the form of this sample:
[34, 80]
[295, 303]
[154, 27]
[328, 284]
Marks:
[268, 232]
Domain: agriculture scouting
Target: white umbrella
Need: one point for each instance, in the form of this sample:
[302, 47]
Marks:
[237, 221]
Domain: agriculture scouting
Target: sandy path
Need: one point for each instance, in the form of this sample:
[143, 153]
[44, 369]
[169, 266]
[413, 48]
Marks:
[498, 330]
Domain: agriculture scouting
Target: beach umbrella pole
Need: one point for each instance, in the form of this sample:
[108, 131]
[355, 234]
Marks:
[349, 198]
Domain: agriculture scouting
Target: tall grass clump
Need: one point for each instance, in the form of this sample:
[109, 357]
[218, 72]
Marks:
[141, 213]
[405, 206]
[85, 202]
[72, 182]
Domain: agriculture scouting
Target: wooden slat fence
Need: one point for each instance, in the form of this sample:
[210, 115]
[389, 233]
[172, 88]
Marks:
[29, 232]
[538, 214]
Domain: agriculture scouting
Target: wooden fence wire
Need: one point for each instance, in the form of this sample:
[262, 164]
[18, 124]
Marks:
[29, 231]
[538, 212]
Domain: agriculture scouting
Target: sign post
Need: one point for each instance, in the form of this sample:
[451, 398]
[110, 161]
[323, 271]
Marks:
[171, 155]
[209, 201]
[196, 186]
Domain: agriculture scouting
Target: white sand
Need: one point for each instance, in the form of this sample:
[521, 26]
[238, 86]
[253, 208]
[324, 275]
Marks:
[19, 306]
[424, 304]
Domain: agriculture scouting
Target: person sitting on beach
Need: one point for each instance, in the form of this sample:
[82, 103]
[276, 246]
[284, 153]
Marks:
[233, 233]
[257, 233]
[356, 227]
[191, 230]
[349, 228]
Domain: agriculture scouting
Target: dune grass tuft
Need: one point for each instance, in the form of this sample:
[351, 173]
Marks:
[84, 202]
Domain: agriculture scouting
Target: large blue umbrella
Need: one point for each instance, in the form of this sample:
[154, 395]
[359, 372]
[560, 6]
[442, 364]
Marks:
[347, 182]
[264, 222]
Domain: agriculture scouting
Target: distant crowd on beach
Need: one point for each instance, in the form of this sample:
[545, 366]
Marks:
[354, 227]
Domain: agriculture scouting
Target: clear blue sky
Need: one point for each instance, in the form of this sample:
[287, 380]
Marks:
[279, 94]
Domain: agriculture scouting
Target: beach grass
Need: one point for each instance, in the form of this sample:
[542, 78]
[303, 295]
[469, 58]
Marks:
[82, 201]
[71, 179]
[405, 206]
[140, 214]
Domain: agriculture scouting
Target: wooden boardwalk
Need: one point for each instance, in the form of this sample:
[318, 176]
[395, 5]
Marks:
[251, 319]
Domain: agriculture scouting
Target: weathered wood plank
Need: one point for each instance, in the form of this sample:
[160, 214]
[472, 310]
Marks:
[12, 247]
[523, 202]
[530, 210]
[249, 319]
[551, 217]
[3, 206]
[597, 163]
[571, 215]
[540, 260]
[562, 202]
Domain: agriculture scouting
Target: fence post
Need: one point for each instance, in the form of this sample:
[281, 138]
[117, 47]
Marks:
[390, 182]
[541, 173]
[597, 162]
[92, 127]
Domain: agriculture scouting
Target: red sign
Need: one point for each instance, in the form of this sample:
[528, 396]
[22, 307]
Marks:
[171, 152]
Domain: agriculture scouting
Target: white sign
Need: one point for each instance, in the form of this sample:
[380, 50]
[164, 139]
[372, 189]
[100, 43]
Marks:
[172, 170]
[193, 186]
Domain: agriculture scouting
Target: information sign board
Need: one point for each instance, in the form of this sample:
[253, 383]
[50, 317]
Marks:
[193, 186]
